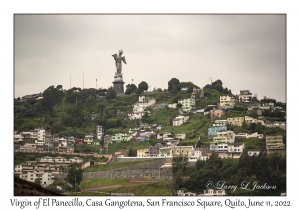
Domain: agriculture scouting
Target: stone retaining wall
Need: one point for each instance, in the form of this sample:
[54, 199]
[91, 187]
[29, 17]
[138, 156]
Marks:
[139, 173]
[150, 169]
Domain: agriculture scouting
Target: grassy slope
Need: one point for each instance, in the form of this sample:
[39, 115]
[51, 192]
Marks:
[163, 188]
[98, 182]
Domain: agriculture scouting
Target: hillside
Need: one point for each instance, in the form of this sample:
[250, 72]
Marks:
[76, 112]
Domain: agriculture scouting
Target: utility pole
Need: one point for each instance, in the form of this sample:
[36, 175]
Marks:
[96, 84]
[210, 82]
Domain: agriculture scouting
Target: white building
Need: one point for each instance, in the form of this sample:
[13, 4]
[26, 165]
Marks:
[246, 135]
[40, 140]
[99, 132]
[177, 121]
[245, 96]
[214, 192]
[253, 152]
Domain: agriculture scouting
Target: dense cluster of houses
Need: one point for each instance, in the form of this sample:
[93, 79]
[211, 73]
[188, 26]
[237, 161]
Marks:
[43, 169]
[39, 139]
[42, 140]
[222, 142]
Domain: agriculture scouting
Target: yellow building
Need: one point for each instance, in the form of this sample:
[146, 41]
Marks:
[249, 120]
[143, 152]
[182, 150]
[172, 106]
[238, 121]
[88, 139]
[226, 101]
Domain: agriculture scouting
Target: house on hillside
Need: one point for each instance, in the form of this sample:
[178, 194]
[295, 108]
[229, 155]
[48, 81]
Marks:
[249, 120]
[179, 120]
[159, 106]
[216, 113]
[172, 106]
[272, 124]
[88, 139]
[32, 96]
[245, 96]
[212, 130]
[235, 150]
[274, 144]
[119, 137]
[187, 104]
[180, 136]
[246, 135]
[226, 101]
[99, 132]
[163, 135]
[253, 152]
[213, 192]
[197, 93]
[182, 150]
[143, 152]
[237, 121]
[182, 193]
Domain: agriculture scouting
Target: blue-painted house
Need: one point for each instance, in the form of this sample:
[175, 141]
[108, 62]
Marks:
[144, 138]
[212, 131]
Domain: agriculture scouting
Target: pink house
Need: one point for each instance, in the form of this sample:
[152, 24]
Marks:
[215, 113]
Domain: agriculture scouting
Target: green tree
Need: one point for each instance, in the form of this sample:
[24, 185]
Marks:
[74, 175]
[174, 85]
[143, 86]
[52, 96]
[132, 153]
[138, 91]
[90, 101]
[111, 94]
[216, 84]
[130, 88]
[159, 89]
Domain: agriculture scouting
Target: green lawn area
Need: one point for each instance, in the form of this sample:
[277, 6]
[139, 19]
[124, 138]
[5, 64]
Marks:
[86, 148]
[130, 145]
[196, 125]
[252, 143]
[86, 194]
[163, 188]
[97, 182]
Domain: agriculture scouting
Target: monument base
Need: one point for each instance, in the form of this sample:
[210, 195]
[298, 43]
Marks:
[119, 87]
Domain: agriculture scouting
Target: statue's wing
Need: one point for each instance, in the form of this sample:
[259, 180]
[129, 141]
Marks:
[123, 58]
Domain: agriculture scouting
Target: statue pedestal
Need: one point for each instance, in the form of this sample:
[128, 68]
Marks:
[119, 85]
